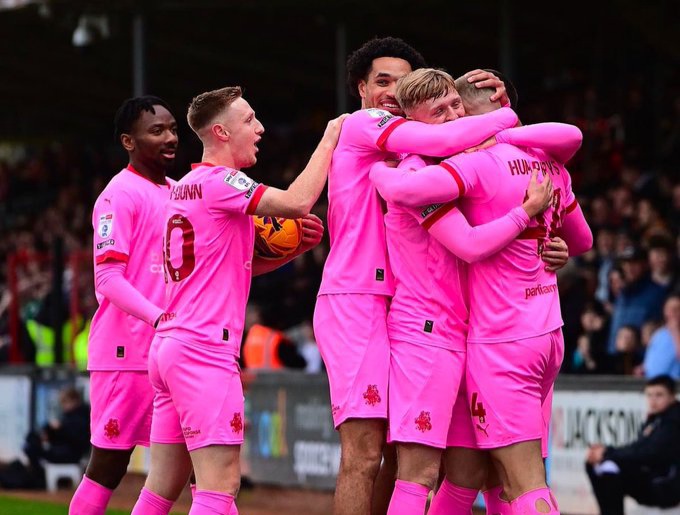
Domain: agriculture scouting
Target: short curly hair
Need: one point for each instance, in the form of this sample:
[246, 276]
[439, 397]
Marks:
[360, 61]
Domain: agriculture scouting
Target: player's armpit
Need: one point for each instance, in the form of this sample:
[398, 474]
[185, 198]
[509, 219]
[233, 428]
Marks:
[560, 140]
[429, 185]
[473, 244]
[575, 231]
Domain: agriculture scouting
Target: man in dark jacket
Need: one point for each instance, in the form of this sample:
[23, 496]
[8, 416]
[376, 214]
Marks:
[647, 469]
[65, 440]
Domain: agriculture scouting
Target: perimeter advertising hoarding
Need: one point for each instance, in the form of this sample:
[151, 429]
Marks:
[290, 439]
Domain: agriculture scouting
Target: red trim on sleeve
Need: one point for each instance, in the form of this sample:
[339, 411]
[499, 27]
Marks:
[437, 215]
[257, 195]
[572, 206]
[454, 173]
[111, 255]
[386, 133]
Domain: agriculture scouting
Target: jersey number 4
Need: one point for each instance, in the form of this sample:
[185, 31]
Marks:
[179, 222]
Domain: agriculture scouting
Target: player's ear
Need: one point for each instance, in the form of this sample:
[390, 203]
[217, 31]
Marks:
[220, 132]
[362, 88]
[127, 142]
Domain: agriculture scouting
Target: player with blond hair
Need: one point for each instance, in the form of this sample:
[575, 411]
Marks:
[198, 414]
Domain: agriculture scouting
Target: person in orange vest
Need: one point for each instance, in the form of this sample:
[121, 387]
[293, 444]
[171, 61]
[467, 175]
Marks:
[266, 348]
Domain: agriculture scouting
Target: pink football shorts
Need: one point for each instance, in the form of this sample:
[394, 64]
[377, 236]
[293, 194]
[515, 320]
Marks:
[424, 382]
[121, 406]
[507, 385]
[351, 332]
[461, 431]
[199, 396]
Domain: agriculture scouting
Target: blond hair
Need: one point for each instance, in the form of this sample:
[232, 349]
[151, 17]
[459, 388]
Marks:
[421, 85]
[205, 107]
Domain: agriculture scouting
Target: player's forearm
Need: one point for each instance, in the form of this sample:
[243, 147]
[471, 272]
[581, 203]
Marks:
[576, 232]
[472, 244]
[560, 140]
[110, 282]
[264, 266]
[306, 188]
[449, 138]
[429, 185]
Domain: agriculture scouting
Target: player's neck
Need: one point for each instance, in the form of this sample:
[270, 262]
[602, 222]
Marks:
[219, 158]
[154, 174]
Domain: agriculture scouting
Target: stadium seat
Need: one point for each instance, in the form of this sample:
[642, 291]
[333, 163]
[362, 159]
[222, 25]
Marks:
[56, 471]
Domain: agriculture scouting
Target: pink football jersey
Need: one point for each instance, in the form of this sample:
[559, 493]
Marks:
[128, 226]
[512, 295]
[209, 236]
[430, 300]
[357, 262]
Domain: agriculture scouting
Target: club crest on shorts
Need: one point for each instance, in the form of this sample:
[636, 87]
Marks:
[105, 227]
[423, 422]
[236, 423]
[371, 395]
[112, 429]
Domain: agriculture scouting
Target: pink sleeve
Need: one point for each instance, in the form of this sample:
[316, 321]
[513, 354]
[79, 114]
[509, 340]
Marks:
[428, 185]
[448, 138]
[229, 191]
[559, 140]
[575, 230]
[112, 220]
[450, 227]
[110, 281]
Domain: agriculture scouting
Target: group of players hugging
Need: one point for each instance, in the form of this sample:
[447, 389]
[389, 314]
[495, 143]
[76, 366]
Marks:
[438, 316]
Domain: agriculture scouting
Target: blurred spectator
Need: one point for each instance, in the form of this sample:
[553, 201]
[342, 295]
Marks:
[66, 440]
[663, 354]
[604, 244]
[648, 469]
[640, 300]
[629, 351]
[662, 265]
[590, 355]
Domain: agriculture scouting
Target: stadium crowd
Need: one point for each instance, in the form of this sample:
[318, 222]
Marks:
[620, 313]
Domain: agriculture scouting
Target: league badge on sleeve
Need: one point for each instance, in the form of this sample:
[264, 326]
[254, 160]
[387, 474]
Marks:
[105, 225]
[238, 180]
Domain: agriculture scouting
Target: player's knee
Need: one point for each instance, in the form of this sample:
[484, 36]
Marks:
[423, 474]
[108, 467]
[467, 477]
[365, 463]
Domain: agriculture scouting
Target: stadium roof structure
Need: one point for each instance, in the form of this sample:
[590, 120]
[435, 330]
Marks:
[286, 54]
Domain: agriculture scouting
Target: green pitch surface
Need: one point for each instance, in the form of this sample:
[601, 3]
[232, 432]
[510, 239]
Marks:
[14, 506]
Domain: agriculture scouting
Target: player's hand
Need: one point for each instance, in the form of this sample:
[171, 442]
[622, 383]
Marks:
[484, 79]
[332, 133]
[555, 254]
[484, 144]
[312, 232]
[538, 195]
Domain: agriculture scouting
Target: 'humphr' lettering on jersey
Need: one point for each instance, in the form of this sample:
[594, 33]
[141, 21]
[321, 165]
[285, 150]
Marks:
[186, 192]
[524, 167]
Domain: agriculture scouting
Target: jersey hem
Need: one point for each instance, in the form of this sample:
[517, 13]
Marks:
[515, 338]
[350, 292]
[416, 341]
